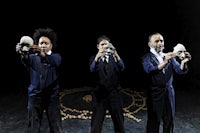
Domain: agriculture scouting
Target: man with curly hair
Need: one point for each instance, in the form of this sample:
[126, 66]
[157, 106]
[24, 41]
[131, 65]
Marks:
[43, 91]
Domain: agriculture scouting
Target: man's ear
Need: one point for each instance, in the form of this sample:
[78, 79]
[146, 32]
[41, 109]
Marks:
[149, 44]
[51, 47]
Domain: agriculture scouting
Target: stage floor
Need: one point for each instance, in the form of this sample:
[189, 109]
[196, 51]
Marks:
[76, 112]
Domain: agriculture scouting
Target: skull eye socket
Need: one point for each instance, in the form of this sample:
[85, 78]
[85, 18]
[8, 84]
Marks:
[109, 48]
[180, 52]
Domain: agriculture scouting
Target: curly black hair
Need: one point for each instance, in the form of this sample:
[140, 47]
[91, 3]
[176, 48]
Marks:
[46, 32]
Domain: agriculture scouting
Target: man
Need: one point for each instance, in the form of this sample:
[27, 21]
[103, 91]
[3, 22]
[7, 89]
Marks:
[43, 91]
[106, 66]
[160, 95]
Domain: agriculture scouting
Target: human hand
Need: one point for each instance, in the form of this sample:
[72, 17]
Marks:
[188, 56]
[115, 52]
[169, 55]
[117, 57]
[100, 54]
[42, 52]
[19, 48]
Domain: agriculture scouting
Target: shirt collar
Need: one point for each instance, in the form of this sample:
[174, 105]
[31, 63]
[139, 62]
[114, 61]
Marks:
[49, 52]
[152, 50]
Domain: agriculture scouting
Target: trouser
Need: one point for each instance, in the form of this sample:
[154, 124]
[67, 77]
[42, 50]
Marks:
[112, 102]
[153, 122]
[51, 105]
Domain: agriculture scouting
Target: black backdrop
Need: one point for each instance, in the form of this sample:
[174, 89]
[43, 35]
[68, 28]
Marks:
[78, 25]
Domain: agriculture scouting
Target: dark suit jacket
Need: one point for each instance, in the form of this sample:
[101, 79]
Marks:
[106, 79]
[161, 83]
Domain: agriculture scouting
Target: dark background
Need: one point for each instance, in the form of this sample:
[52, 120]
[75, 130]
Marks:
[78, 24]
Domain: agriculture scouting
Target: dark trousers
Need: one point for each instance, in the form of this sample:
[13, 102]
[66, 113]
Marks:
[153, 122]
[36, 107]
[112, 102]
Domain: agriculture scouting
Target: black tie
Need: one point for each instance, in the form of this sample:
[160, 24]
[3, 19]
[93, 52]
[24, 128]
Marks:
[106, 59]
[105, 65]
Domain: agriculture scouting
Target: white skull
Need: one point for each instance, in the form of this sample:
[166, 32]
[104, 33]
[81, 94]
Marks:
[109, 49]
[180, 50]
[26, 42]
